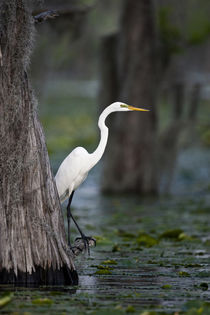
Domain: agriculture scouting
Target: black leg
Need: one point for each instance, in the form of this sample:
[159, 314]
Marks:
[69, 216]
[83, 237]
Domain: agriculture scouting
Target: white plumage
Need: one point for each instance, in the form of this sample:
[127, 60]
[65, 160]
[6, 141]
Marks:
[75, 167]
[72, 172]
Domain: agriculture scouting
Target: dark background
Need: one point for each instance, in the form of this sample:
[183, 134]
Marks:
[68, 71]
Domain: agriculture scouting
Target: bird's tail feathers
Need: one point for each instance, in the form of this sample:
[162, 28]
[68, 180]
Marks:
[64, 196]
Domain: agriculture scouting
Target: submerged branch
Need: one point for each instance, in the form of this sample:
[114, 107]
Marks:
[40, 17]
[43, 16]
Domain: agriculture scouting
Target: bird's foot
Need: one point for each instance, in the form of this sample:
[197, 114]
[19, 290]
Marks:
[72, 248]
[88, 241]
[76, 250]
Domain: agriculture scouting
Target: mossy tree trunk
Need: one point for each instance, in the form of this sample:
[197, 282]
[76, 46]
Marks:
[33, 248]
[131, 69]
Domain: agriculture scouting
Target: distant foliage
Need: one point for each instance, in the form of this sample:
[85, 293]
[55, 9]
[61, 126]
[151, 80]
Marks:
[169, 35]
[174, 36]
[198, 29]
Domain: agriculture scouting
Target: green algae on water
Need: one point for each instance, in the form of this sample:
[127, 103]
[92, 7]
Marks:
[146, 240]
[42, 301]
[167, 286]
[103, 272]
[173, 234]
[184, 274]
[6, 299]
[109, 262]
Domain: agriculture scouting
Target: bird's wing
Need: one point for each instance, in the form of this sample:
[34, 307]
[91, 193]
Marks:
[72, 172]
[64, 196]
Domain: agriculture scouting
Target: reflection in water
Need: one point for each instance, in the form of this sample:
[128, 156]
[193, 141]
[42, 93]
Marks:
[126, 289]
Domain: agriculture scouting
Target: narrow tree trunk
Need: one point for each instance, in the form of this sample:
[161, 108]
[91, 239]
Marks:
[33, 247]
[194, 102]
[178, 93]
[170, 138]
[109, 70]
[193, 106]
[130, 158]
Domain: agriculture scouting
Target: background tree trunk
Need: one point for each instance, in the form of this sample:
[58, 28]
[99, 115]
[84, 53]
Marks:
[33, 248]
[168, 142]
[130, 157]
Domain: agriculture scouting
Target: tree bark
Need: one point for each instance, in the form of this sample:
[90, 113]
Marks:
[109, 88]
[178, 90]
[168, 143]
[194, 102]
[130, 157]
[33, 248]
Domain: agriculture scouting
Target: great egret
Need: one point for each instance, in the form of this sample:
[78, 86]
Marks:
[75, 167]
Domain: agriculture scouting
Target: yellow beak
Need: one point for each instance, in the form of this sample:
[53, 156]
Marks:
[136, 108]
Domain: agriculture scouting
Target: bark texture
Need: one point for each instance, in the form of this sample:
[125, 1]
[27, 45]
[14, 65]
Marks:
[33, 248]
[130, 156]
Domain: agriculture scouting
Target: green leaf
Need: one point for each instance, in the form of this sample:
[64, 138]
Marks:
[130, 309]
[42, 301]
[146, 240]
[125, 234]
[116, 248]
[101, 267]
[6, 299]
[103, 272]
[184, 274]
[109, 262]
[167, 286]
[175, 233]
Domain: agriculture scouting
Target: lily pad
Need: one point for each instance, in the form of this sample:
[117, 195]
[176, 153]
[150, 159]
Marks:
[103, 272]
[5, 299]
[174, 234]
[167, 286]
[102, 240]
[109, 262]
[146, 240]
[130, 309]
[184, 274]
[42, 301]
[116, 248]
[125, 234]
[101, 267]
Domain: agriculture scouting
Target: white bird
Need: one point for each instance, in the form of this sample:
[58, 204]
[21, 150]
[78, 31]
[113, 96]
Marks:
[75, 167]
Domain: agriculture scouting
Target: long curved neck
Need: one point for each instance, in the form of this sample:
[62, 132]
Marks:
[97, 154]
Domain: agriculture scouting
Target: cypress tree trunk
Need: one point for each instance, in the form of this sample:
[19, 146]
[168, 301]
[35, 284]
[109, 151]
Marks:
[131, 155]
[33, 248]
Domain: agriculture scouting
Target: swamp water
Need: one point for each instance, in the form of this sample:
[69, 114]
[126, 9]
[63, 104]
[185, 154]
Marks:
[152, 256]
